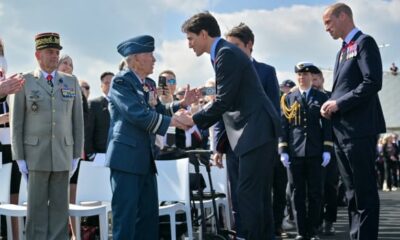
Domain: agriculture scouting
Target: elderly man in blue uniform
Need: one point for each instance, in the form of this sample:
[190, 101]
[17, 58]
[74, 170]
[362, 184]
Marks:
[131, 140]
[357, 117]
[307, 139]
[242, 36]
[252, 123]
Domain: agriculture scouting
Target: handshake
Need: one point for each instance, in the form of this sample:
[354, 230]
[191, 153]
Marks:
[182, 119]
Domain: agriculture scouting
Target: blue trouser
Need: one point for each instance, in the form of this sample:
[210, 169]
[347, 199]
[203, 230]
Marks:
[134, 206]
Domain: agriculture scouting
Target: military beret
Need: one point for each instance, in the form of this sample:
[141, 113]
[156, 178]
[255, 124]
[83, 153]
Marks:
[305, 67]
[288, 83]
[139, 44]
[47, 40]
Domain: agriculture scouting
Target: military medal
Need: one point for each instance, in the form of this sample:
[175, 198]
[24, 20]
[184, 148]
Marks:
[351, 50]
[145, 88]
[34, 107]
[67, 92]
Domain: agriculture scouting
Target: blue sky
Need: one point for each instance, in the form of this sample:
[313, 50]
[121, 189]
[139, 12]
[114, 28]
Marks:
[286, 32]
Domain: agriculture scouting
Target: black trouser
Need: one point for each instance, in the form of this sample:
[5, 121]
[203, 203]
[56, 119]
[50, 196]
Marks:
[232, 165]
[356, 162]
[289, 195]
[390, 168]
[279, 182]
[380, 167]
[253, 193]
[307, 175]
[330, 192]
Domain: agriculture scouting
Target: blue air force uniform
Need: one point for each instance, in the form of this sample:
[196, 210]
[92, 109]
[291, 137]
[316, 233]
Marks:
[306, 136]
[129, 155]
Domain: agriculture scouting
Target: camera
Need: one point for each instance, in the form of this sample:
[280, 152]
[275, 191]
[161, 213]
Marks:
[162, 82]
[207, 91]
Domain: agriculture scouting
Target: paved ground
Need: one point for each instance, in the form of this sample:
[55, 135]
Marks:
[389, 227]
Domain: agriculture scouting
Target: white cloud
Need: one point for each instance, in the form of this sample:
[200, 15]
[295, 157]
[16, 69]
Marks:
[188, 68]
[90, 33]
[90, 69]
[285, 36]
[185, 6]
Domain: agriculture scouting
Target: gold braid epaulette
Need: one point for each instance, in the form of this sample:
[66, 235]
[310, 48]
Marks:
[292, 112]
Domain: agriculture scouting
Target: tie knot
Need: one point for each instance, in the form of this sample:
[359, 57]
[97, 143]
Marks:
[304, 96]
[49, 78]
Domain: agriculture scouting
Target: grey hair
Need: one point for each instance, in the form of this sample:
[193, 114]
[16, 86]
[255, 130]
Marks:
[65, 57]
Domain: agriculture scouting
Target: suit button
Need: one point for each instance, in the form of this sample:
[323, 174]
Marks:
[54, 136]
[54, 123]
[54, 110]
[53, 98]
[305, 119]
[305, 134]
[305, 126]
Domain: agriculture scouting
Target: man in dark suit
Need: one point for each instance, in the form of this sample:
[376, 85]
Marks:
[99, 118]
[357, 118]
[305, 149]
[251, 121]
[242, 36]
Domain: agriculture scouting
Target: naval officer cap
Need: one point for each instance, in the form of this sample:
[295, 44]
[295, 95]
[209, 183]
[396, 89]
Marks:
[306, 67]
[139, 44]
[288, 83]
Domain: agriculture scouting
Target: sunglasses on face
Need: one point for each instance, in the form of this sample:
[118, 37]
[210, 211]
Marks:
[171, 81]
[86, 87]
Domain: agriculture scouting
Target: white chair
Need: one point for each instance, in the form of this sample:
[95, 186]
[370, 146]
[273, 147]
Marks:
[79, 211]
[93, 189]
[13, 210]
[5, 179]
[173, 185]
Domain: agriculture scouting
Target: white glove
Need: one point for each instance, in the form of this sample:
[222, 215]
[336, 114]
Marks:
[23, 168]
[285, 160]
[326, 158]
[73, 166]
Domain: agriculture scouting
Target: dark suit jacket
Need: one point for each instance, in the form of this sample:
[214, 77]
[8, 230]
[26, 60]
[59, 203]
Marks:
[311, 134]
[357, 81]
[269, 81]
[249, 116]
[99, 123]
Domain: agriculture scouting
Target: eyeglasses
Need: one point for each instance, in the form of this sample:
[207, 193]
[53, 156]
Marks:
[86, 87]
